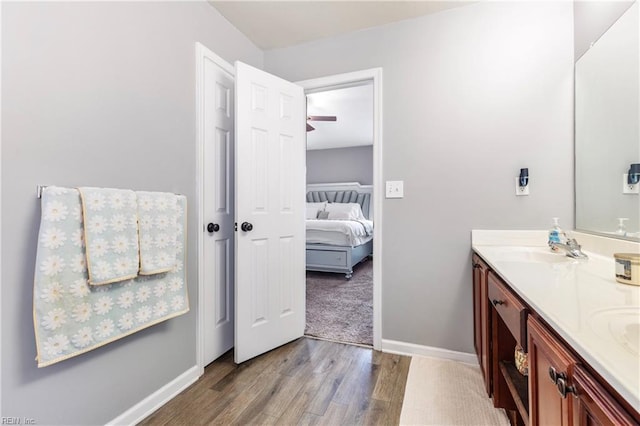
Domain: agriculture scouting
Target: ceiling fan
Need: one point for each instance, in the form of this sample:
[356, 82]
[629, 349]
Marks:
[319, 118]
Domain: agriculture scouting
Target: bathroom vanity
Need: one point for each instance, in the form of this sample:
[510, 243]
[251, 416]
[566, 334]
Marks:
[579, 327]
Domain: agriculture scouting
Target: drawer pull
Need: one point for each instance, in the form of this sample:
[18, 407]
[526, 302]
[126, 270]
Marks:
[563, 389]
[497, 302]
[555, 376]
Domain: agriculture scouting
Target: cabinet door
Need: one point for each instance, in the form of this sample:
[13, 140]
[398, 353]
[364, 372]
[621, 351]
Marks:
[593, 405]
[549, 364]
[482, 326]
[477, 330]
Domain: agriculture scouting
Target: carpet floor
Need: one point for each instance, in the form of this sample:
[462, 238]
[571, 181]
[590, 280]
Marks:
[445, 392]
[339, 309]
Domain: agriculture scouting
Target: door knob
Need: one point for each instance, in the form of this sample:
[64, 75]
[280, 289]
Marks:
[213, 227]
[246, 226]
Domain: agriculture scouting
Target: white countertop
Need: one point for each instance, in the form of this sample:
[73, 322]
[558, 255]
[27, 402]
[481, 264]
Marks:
[580, 299]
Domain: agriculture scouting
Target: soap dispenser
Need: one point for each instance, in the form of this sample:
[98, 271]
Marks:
[556, 235]
[622, 228]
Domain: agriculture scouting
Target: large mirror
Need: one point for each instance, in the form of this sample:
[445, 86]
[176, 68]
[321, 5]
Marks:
[607, 138]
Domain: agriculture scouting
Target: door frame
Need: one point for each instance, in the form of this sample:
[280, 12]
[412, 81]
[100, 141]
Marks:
[202, 54]
[316, 84]
[345, 80]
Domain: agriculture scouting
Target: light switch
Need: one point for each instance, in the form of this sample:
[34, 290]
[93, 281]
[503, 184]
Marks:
[394, 189]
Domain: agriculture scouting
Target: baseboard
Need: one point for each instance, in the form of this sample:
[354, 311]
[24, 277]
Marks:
[410, 349]
[147, 406]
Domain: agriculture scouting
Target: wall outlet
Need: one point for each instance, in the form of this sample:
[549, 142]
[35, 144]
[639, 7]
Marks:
[394, 189]
[629, 189]
[522, 190]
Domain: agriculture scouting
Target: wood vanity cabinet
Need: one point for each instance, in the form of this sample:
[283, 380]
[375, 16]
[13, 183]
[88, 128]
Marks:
[593, 405]
[560, 389]
[481, 323]
[549, 364]
[508, 316]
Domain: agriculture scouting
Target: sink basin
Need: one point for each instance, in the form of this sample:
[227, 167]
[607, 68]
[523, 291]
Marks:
[532, 254]
[621, 324]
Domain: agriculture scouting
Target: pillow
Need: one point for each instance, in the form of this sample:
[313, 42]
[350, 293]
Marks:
[323, 215]
[312, 212]
[320, 206]
[314, 208]
[338, 215]
[344, 211]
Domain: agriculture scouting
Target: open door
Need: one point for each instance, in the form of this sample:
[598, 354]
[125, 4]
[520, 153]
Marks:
[216, 97]
[270, 201]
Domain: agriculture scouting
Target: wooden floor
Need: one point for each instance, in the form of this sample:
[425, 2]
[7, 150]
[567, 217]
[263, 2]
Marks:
[304, 382]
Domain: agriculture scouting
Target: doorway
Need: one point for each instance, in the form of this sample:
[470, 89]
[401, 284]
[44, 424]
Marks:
[358, 78]
[316, 84]
[339, 277]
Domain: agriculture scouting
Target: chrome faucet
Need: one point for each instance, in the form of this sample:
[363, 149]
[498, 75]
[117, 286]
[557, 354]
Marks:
[572, 248]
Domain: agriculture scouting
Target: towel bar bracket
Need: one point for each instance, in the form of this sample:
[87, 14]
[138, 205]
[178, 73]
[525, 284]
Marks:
[39, 189]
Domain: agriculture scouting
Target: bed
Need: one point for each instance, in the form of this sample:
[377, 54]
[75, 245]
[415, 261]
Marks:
[338, 242]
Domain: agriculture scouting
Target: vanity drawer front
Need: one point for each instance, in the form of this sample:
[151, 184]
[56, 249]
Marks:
[509, 307]
[326, 257]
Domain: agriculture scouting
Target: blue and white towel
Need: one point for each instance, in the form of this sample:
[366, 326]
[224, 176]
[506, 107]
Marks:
[72, 317]
[156, 218]
[111, 234]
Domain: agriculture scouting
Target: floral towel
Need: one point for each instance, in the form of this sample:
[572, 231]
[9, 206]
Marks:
[111, 234]
[72, 317]
[156, 216]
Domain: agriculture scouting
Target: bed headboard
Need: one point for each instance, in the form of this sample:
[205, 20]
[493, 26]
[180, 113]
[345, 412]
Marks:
[343, 192]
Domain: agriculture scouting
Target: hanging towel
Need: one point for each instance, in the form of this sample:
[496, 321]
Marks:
[157, 217]
[111, 234]
[70, 316]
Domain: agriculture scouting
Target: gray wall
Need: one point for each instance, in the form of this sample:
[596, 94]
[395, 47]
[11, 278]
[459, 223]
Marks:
[471, 95]
[352, 164]
[97, 94]
[592, 19]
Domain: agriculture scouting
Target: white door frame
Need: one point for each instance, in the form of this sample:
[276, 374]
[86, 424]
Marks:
[202, 53]
[317, 84]
[346, 80]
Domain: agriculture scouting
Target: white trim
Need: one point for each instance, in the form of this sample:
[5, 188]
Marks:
[411, 349]
[202, 53]
[340, 80]
[147, 406]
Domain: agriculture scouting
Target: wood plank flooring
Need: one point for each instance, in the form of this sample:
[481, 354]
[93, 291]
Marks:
[306, 382]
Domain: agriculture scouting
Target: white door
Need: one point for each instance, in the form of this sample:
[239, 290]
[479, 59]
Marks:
[218, 201]
[270, 201]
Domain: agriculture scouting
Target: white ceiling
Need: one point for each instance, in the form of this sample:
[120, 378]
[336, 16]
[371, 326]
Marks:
[275, 24]
[353, 108]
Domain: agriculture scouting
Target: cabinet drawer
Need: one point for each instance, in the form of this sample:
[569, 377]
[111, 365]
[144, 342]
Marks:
[326, 257]
[510, 309]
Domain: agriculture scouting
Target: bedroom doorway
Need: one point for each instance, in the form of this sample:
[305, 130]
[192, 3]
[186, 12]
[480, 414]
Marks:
[343, 161]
